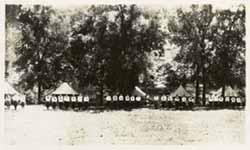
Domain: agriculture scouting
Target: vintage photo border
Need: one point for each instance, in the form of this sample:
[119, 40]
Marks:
[160, 2]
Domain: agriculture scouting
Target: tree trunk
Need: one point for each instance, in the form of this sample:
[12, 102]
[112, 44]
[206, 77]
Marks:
[101, 95]
[197, 89]
[204, 86]
[223, 91]
[39, 93]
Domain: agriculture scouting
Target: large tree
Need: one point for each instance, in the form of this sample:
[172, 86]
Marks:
[110, 45]
[39, 54]
[191, 31]
[229, 47]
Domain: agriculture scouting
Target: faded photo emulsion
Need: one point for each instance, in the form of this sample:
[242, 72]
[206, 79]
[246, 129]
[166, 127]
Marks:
[124, 74]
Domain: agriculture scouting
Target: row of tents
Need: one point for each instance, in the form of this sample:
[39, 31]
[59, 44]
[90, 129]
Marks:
[66, 94]
[180, 97]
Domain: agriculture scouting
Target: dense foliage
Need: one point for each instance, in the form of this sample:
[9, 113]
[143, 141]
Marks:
[107, 46]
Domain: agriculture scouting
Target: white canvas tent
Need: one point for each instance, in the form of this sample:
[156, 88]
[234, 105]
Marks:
[64, 89]
[180, 91]
[228, 92]
[160, 86]
[10, 91]
[138, 92]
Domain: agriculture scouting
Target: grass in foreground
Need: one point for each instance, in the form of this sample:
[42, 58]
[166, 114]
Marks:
[36, 125]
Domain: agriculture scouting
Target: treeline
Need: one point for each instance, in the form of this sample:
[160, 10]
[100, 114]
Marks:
[107, 46]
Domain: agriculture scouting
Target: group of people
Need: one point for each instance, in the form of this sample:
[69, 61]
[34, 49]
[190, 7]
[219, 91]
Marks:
[14, 100]
[66, 102]
[83, 102]
[226, 102]
[173, 102]
[124, 102]
[189, 102]
[129, 102]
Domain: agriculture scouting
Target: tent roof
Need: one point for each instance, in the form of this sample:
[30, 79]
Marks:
[8, 89]
[65, 89]
[230, 92]
[180, 91]
[138, 92]
[160, 86]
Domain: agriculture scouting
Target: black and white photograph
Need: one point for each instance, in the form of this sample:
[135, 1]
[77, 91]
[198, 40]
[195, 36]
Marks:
[124, 74]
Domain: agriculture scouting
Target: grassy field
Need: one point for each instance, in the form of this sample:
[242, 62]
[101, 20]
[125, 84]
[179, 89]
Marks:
[36, 125]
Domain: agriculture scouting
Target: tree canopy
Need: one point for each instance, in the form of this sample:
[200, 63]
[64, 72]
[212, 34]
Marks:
[40, 51]
[108, 47]
[212, 43]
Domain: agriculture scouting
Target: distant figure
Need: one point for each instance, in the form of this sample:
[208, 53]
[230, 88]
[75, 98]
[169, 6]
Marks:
[15, 103]
[73, 102]
[108, 101]
[60, 102]
[7, 103]
[163, 101]
[80, 102]
[191, 102]
[177, 102]
[54, 102]
[170, 102]
[47, 105]
[66, 100]
[22, 104]
[47, 101]
[86, 102]
[233, 102]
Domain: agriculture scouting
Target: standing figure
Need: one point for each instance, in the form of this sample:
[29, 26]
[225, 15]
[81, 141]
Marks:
[7, 101]
[54, 102]
[15, 101]
[60, 101]
[47, 101]
[80, 103]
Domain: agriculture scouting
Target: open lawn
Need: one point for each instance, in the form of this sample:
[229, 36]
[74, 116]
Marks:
[36, 125]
